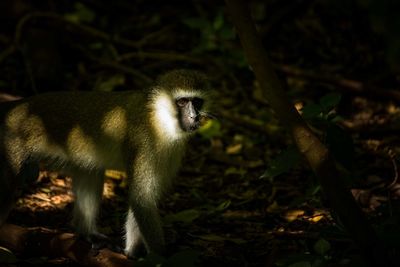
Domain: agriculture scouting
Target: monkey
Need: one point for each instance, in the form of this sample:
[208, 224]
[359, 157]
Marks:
[141, 132]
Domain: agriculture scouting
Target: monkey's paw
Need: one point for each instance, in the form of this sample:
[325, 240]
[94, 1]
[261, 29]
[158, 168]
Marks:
[137, 252]
[100, 241]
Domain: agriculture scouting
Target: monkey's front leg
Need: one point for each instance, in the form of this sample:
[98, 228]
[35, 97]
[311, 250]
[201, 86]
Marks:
[88, 190]
[143, 224]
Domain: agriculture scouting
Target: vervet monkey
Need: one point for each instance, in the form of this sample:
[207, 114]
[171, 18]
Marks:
[143, 133]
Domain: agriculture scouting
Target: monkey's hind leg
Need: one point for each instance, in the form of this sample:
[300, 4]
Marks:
[13, 178]
[7, 189]
[88, 190]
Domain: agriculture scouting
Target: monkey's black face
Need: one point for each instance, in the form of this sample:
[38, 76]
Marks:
[189, 112]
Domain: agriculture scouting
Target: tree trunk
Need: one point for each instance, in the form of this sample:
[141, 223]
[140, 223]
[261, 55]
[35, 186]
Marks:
[316, 154]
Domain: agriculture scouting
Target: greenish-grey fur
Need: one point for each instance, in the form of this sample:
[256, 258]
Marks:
[84, 133]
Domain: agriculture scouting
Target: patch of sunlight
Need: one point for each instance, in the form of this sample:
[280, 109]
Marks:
[114, 123]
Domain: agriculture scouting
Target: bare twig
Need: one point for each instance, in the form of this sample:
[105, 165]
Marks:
[4, 97]
[162, 56]
[123, 68]
[346, 85]
[396, 172]
[117, 66]
[83, 28]
[251, 124]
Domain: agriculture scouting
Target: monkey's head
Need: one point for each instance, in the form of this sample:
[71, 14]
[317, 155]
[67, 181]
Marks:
[182, 98]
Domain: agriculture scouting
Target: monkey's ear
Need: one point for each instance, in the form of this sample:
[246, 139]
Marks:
[183, 79]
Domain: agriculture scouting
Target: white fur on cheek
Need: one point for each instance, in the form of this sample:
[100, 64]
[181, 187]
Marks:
[166, 117]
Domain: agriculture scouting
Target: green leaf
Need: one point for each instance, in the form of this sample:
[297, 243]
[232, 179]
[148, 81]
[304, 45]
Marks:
[210, 45]
[7, 257]
[227, 33]
[96, 46]
[155, 19]
[239, 59]
[322, 246]
[151, 260]
[196, 23]
[4, 83]
[313, 190]
[218, 21]
[336, 119]
[223, 206]
[283, 163]
[210, 129]
[186, 258]
[330, 101]
[81, 14]
[186, 216]
[312, 111]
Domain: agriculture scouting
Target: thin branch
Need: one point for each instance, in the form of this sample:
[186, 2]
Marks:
[161, 56]
[350, 86]
[117, 66]
[83, 28]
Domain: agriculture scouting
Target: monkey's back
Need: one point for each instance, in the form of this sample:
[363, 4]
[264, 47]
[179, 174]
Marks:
[86, 126]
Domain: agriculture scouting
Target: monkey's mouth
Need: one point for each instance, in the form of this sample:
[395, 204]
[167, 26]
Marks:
[194, 126]
[200, 120]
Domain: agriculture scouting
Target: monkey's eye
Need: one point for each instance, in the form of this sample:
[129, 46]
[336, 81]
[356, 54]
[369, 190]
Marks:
[197, 102]
[181, 102]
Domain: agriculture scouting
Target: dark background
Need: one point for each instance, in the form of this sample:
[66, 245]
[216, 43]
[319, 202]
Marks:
[244, 196]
